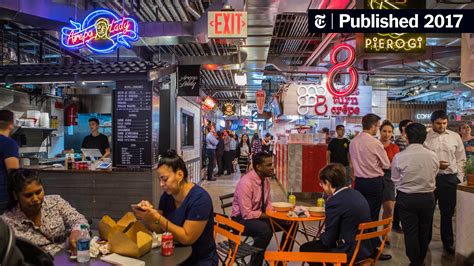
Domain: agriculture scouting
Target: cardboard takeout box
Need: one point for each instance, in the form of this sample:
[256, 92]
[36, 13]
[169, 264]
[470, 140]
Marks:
[127, 237]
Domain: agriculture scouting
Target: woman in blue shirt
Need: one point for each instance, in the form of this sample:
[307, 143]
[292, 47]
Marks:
[185, 210]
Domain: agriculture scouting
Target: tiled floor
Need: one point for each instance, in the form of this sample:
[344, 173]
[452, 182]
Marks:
[436, 256]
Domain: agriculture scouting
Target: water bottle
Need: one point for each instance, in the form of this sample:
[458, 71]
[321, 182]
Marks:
[83, 244]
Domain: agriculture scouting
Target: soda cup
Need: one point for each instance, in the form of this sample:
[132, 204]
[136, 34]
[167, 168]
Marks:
[292, 199]
[320, 202]
[167, 245]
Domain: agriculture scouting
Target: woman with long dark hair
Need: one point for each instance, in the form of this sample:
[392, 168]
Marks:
[256, 143]
[243, 152]
[48, 221]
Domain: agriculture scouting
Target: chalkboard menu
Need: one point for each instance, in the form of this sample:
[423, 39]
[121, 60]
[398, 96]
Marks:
[132, 132]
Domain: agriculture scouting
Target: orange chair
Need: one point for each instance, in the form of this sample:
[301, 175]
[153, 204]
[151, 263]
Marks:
[221, 223]
[335, 258]
[386, 225]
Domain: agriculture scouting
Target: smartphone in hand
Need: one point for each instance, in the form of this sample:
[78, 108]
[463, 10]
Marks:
[137, 207]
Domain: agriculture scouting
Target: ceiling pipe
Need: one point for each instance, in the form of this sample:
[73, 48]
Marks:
[171, 9]
[180, 9]
[191, 10]
[163, 9]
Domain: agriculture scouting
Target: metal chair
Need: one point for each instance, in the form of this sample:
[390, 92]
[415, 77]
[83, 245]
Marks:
[224, 248]
[369, 231]
[334, 258]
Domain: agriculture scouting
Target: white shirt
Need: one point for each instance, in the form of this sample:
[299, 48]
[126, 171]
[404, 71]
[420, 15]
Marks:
[414, 169]
[448, 147]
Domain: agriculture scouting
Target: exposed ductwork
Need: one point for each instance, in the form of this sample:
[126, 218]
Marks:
[172, 10]
[191, 10]
[180, 9]
[162, 8]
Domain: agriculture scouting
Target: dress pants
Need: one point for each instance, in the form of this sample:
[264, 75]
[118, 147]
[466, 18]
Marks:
[261, 232]
[396, 216]
[416, 213]
[228, 162]
[445, 195]
[211, 156]
[372, 190]
[220, 163]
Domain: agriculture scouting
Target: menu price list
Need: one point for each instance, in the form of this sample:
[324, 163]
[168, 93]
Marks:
[133, 112]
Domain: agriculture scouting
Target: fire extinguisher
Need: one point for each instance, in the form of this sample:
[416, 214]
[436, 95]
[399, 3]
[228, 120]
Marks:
[71, 115]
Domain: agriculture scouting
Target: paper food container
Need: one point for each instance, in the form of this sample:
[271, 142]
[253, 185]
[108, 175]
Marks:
[127, 237]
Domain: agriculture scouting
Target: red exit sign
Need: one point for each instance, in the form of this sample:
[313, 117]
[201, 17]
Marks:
[227, 24]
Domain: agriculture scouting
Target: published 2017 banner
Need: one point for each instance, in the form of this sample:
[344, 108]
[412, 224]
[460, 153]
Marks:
[390, 21]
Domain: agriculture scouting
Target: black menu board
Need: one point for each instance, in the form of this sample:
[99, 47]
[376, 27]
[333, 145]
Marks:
[133, 124]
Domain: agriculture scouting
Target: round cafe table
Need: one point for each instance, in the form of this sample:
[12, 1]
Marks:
[181, 254]
[294, 225]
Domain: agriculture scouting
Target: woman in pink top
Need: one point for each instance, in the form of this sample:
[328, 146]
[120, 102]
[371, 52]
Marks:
[386, 134]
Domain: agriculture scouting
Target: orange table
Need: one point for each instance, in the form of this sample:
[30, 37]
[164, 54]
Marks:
[294, 224]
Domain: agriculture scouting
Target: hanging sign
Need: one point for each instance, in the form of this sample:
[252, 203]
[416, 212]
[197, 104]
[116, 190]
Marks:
[188, 81]
[314, 100]
[394, 42]
[260, 95]
[228, 109]
[209, 103]
[102, 31]
[227, 24]
[341, 91]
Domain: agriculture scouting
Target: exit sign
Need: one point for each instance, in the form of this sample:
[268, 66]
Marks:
[227, 24]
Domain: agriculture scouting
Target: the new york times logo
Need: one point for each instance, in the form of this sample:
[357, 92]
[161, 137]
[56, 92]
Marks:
[320, 21]
[390, 21]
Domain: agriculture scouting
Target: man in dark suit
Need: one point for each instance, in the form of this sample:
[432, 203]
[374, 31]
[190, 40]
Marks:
[345, 210]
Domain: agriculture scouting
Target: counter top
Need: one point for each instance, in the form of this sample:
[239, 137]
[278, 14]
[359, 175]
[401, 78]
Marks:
[464, 187]
[106, 171]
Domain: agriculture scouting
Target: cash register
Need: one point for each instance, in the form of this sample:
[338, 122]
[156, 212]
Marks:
[94, 155]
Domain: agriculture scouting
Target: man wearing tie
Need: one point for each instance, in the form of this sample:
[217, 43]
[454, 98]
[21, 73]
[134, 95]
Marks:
[251, 199]
[449, 148]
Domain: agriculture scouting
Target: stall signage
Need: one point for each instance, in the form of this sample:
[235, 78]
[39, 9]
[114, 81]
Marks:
[423, 116]
[256, 118]
[314, 100]
[252, 126]
[102, 31]
[188, 81]
[209, 103]
[227, 24]
[341, 91]
[228, 109]
[394, 42]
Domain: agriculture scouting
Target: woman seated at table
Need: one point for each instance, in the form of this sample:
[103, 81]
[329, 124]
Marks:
[46, 221]
[345, 210]
[185, 210]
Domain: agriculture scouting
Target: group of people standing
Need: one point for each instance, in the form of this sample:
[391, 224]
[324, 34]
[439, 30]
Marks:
[407, 176]
[223, 148]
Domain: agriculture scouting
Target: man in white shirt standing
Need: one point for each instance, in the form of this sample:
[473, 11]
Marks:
[449, 148]
[415, 192]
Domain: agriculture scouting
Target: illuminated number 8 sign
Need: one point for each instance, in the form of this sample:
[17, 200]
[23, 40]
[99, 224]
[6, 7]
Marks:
[345, 90]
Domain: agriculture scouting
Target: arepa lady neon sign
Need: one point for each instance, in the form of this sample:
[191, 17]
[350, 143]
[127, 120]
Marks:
[102, 31]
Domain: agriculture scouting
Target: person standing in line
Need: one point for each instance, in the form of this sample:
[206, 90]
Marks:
[467, 139]
[388, 201]
[266, 143]
[220, 153]
[227, 154]
[338, 152]
[368, 159]
[8, 154]
[449, 148]
[256, 143]
[402, 143]
[211, 144]
[244, 150]
[234, 141]
[415, 188]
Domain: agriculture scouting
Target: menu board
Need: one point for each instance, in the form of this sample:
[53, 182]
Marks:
[133, 124]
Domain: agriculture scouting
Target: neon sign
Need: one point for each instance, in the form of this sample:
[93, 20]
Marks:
[102, 31]
[394, 42]
[344, 90]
